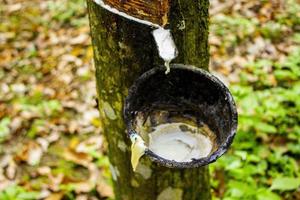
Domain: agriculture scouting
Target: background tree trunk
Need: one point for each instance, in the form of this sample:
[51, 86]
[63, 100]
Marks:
[123, 50]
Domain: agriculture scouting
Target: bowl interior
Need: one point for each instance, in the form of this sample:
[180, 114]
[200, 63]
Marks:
[188, 96]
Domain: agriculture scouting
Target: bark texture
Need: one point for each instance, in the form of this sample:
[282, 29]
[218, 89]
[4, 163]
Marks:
[155, 11]
[123, 50]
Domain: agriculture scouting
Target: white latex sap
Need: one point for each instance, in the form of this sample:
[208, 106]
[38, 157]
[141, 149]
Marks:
[166, 46]
[171, 142]
[137, 150]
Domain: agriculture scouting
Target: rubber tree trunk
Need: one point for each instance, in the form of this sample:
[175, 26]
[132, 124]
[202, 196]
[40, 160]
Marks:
[123, 50]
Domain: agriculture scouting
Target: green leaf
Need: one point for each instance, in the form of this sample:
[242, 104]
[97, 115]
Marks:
[265, 194]
[4, 129]
[264, 127]
[28, 195]
[285, 183]
[240, 189]
[294, 148]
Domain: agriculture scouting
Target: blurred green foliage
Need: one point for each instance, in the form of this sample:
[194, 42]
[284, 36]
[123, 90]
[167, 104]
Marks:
[4, 129]
[15, 192]
[263, 163]
[65, 14]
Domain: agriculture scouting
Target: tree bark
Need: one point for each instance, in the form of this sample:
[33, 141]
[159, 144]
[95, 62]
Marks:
[123, 50]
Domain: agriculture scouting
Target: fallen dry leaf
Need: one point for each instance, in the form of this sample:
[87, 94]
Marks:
[104, 189]
[83, 187]
[55, 196]
[79, 158]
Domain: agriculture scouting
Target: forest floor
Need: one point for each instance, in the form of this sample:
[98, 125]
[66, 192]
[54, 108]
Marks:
[51, 146]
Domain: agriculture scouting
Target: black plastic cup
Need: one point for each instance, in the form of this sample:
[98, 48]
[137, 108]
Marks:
[188, 92]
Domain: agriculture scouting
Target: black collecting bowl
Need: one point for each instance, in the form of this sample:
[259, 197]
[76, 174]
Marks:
[186, 93]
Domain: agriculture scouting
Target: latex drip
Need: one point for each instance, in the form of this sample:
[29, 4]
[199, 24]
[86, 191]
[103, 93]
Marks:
[137, 150]
[165, 45]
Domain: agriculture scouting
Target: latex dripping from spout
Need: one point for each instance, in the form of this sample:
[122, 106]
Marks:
[138, 149]
[165, 45]
[163, 38]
